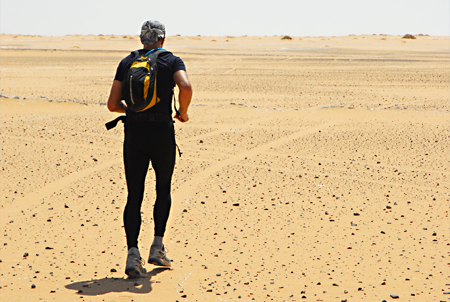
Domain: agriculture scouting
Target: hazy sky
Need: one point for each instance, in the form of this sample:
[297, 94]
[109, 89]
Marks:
[227, 17]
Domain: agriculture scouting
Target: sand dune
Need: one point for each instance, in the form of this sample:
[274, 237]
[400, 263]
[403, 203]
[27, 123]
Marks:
[313, 169]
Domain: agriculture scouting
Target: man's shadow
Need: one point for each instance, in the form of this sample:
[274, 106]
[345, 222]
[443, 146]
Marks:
[94, 287]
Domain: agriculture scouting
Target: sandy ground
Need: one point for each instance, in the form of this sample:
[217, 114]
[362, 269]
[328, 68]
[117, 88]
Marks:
[313, 169]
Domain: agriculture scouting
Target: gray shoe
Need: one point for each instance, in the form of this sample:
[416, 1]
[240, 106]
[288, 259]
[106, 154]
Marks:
[158, 256]
[134, 268]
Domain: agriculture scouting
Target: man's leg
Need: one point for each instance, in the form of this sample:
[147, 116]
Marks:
[136, 166]
[163, 162]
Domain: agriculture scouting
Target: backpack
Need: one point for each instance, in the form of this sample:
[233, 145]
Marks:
[139, 84]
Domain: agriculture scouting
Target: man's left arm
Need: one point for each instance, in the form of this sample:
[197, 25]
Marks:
[115, 103]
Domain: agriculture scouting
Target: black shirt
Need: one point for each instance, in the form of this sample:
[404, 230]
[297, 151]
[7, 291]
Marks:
[167, 64]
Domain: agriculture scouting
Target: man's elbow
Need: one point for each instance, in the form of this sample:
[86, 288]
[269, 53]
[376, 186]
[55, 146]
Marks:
[111, 107]
[185, 87]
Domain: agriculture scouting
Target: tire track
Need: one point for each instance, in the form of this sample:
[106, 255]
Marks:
[185, 190]
[39, 194]
[62, 143]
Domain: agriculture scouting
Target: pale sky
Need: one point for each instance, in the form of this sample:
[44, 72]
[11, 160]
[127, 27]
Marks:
[227, 17]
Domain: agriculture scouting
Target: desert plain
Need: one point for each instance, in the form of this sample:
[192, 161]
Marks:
[313, 169]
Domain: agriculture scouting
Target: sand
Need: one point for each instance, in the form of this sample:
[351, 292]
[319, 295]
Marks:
[313, 169]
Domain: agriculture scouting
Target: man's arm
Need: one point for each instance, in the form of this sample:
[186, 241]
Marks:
[184, 97]
[115, 104]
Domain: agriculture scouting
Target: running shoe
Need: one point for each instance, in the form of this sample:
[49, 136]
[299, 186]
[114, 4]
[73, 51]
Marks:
[134, 268]
[158, 256]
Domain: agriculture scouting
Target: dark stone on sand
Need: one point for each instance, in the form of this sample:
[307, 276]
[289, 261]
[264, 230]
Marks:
[236, 204]
[48, 248]
[113, 270]
[26, 255]
[33, 286]
[394, 296]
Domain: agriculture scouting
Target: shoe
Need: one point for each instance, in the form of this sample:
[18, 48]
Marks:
[158, 256]
[134, 268]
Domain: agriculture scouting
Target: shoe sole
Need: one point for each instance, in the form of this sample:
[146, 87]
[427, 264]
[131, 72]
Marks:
[156, 261]
[132, 272]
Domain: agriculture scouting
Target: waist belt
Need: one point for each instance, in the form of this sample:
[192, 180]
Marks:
[139, 118]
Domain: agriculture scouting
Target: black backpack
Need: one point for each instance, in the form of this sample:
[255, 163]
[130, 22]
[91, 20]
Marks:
[139, 85]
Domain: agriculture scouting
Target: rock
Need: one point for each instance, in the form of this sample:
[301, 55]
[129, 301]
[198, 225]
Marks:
[394, 296]
[48, 248]
[236, 204]
[408, 36]
[113, 270]
[25, 255]
[33, 286]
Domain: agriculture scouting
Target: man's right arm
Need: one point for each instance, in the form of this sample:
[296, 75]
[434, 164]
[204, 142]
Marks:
[184, 97]
[115, 103]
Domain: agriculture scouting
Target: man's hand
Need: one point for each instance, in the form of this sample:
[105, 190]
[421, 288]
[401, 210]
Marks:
[182, 117]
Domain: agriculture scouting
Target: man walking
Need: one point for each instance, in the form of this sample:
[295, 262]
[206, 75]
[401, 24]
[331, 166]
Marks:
[150, 136]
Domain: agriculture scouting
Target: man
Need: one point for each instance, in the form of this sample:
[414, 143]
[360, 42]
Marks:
[150, 136]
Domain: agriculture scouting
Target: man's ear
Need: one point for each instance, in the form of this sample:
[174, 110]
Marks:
[162, 41]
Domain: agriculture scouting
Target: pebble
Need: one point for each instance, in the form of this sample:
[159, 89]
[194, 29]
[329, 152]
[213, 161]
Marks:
[25, 255]
[33, 286]
[113, 270]
[394, 296]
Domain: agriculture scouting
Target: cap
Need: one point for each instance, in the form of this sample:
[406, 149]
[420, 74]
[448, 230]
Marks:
[152, 31]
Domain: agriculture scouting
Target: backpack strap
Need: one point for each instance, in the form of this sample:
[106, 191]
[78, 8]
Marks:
[136, 54]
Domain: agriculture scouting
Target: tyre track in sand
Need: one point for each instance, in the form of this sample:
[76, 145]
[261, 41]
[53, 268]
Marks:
[186, 190]
[36, 196]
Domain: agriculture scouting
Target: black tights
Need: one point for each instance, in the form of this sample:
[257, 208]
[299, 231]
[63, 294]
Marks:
[145, 142]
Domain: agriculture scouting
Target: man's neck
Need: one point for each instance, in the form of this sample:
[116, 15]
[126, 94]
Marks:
[154, 46]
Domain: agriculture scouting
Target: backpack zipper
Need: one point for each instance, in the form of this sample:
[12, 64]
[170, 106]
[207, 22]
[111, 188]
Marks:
[131, 89]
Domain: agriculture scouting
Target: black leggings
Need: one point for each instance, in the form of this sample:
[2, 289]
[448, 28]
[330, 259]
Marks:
[145, 142]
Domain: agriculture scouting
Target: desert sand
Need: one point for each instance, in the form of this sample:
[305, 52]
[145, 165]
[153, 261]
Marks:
[313, 169]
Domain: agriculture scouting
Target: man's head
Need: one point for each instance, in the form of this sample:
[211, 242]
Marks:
[152, 31]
